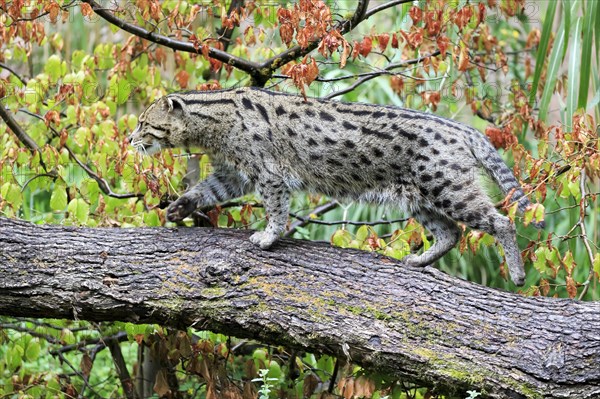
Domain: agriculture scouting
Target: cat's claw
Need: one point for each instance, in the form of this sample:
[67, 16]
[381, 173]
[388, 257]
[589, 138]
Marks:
[180, 209]
[263, 239]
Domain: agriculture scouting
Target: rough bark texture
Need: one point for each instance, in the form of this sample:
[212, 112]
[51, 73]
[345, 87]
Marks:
[418, 324]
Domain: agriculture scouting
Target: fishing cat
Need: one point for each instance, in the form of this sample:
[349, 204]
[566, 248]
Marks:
[277, 143]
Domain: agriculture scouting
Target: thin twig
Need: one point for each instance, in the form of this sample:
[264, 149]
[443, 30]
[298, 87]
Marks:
[320, 210]
[479, 113]
[350, 222]
[384, 6]
[102, 183]
[375, 74]
[584, 236]
[23, 80]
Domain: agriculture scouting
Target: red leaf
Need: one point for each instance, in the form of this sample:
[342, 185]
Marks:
[383, 40]
[182, 78]
[416, 14]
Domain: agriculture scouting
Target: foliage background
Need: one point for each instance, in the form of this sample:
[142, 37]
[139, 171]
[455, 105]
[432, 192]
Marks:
[525, 73]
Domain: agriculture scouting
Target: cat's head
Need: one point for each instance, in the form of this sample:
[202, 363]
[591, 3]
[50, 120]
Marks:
[160, 126]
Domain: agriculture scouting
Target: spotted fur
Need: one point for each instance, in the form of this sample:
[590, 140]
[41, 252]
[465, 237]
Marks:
[276, 143]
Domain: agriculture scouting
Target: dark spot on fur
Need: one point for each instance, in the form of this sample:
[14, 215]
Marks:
[365, 160]
[334, 162]
[326, 116]
[404, 133]
[377, 152]
[437, 190]
[279, 110]
[376, 133]
[247, 103]
[348, 125]
[290, 132]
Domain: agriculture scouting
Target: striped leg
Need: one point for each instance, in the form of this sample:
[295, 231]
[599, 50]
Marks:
[276, 198]
[223, 184]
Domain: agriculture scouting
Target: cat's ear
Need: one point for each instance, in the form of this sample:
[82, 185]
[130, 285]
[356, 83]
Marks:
[174, 104]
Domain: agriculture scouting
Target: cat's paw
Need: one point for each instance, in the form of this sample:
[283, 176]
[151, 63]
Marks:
[181, 208]
[263, 239]
[412, 260]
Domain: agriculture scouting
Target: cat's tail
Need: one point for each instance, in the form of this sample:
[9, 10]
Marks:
[494, 165]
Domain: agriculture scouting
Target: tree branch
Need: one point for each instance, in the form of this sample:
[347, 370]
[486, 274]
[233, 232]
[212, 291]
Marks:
[417, 324]
[240, 63]
[295, 52]
[23, 137]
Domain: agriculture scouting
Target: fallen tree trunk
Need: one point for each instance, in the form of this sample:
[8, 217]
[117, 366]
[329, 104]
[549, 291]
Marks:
[417, 324]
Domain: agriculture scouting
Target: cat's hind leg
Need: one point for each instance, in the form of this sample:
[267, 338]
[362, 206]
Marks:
[446, 234]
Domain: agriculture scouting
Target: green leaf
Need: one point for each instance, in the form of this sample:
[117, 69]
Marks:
[120, 89]
[14, 357]
[58, 200]
[554, 64]
[574, 60]
[11, 193]
[596, 265]
[33, 350]
[540, 264]
[79, 209]
[151, 219]
[341, 238]
[542, 49]
[362, 233]
[586, 52]
[67, 336]
[53, 67]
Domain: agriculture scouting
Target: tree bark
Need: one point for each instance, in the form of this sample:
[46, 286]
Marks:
[417, 324]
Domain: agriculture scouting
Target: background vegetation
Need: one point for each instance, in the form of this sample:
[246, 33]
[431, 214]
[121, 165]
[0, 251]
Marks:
[72, 83]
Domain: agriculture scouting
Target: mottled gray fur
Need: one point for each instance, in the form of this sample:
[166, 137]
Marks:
[277, 143]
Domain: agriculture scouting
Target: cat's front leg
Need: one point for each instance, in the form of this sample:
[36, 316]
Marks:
[224, 184]
[276, 199]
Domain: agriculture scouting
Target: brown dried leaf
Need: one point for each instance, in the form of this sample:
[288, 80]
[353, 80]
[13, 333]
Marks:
[366, 46]
[86, 364]
[394, 41]
[443, 42]
[311, 382]
[463, 59]
[416, 14]
[182, 78]
[161, 385]
[571, 287]
[52, 8]
[383, 41]
[364, 387]
[86, 9]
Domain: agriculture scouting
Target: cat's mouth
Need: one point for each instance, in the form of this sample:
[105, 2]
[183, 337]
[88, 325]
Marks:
[146, 148]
